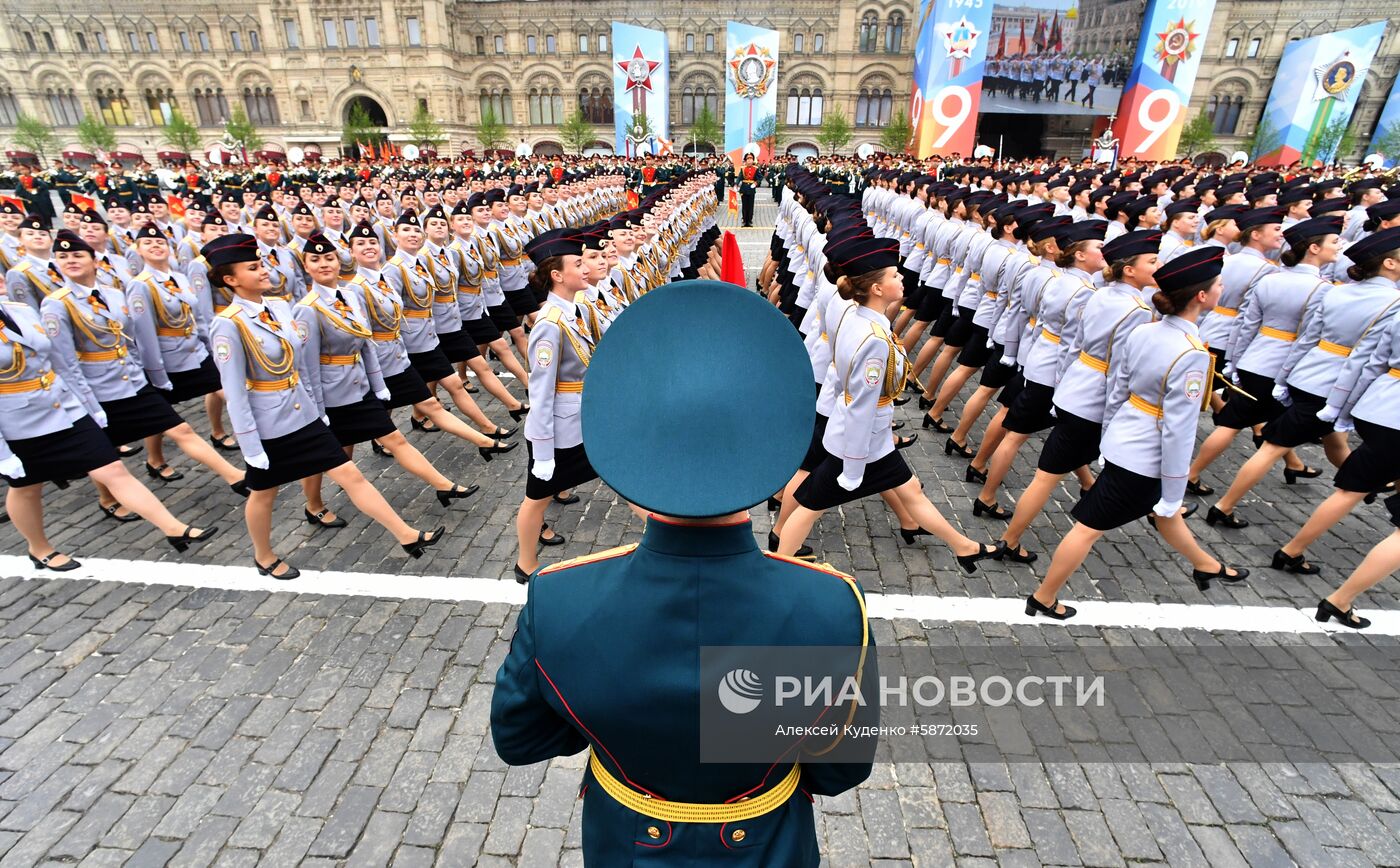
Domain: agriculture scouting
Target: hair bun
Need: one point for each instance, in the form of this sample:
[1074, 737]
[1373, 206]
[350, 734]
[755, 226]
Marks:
[1163, 303]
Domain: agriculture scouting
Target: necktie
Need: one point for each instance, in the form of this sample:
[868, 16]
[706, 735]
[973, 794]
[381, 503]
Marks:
[341, 306]
[170, 284]
[96, 301]
[104, 265]
[266, 316]
[419, 270]
[272, 256]
[54, 273]
[7, 321]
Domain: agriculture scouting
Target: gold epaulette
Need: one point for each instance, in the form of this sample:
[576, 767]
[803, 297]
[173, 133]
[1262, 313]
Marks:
[589, 559]
[231, 311]
[23, 267]
[307, 300]
[1196, 342]
[554, 314]
[62, 292]
[811, 565]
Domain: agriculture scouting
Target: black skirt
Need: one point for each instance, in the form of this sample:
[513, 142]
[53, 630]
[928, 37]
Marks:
[482, 330]
[820, 490]
[1031, 411]
[62, 455]
[1374, 464]
[571, 468]
[816, 453]
[522, 301]
[366, 419]
[504, 318]
[995, 375]
[431, 365]
[1240, 412]
[797, 315]
[194, 383]
[1012, 390]
[458, 346]
[305, 452]
[931, 305]
[405, 388]
[947, 315]
[975, 351]
[961, 330]
[1072, 443]
[138, 417]
[1118, 497]
[1298, 423]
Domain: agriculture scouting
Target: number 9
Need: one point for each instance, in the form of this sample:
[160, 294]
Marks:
[1156, 127]
[950, 123]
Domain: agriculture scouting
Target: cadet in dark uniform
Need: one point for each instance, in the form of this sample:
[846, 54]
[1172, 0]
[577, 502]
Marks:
[648, 798]
[749, 177]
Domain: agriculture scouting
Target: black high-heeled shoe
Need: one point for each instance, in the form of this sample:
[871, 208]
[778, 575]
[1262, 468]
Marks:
[774, 504]
[925, 403]
[182, 542]
[240, 488]
[896, 426]
[1293, 564]
[425, 540]
[1291, 476]
[901, 400]
[126, 450]
[1203, 578]
[566, 501]
[972, 474]
[521, 577]
[159, 473]
[910, 536]
[1035, 607]
[1186, 512]
[906, 442]
[379, 450]
[1019, 554]
[318, 518]
[936, 424]
[502, 433]
[557, 540]
[487, 452]
[271, 570]
[1215, 516]
[805, 552]
[456, 492]
[44, 563]
[220, 445]
[423, 425]
[1371, 498]
[111, 512]
[1327, 611]
[969, 562]
[951, 446]
[1199, 489]
[994, 510]
[519, 413]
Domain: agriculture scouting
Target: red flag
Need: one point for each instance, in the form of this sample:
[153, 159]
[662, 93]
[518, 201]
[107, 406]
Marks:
[84, 202]
[733, 202]
[1021, 49]
[633, 199]
[176, 205]
[1001, 45]
[1039, 38]
[731, 269]
[11, 200]
[1056, 42]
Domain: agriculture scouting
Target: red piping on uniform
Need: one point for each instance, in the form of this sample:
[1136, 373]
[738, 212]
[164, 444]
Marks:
[663, 843]
[663, 520]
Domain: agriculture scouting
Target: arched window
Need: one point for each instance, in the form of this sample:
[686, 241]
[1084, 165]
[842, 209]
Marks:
[596, 104]
[261, 106]
[116, 111]
[546, 106]
[792, 99]
[9, 108]
[894, 32]
[63, 106]
[160, 103]
[687, 105]
[873, 106]
[805, 106]
[210, 106]
[496, 101]
[1224, 112]
[869, 31]
[712, 100]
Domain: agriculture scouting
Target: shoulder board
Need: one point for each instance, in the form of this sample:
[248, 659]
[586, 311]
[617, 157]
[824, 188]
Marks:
[620, 551]
[23, 267]
[59, 293]
[553, 315]
[879, 331]
[396, 259]
[581, 297]
[201, 260]
[144, 275]
[1196, 342]
[230, 312]
[308, 300]
[811, 565]
[359, 280]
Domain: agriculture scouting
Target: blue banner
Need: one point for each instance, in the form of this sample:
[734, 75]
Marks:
[949, 58]
[641, 90]
[751, 90]
[1386, 140]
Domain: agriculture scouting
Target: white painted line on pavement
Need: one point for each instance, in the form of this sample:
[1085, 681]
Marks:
[986, 610]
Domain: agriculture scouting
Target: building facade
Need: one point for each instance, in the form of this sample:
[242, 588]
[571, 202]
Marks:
[298, 68]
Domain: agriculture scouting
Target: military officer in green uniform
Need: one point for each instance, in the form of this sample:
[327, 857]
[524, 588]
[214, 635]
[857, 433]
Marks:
[64, 180]
[606, 650]
[749, 177]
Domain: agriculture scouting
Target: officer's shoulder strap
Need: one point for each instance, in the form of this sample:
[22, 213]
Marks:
[811, 565]
[60, 293]
[231, 311]
[554, 314]
[1196, 343]
[308, 300]
[596, 557]
[23, 267]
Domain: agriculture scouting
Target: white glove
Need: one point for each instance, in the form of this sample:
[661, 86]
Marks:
[991, 343]
[383, 394]
[1009, 361]
[847, 482]
[259, 461]
[1098, 463]
[543, 470]
[1167, 510]
[167, 386]
[100, 417]
[1328, 414]
[1344, 425]
[1281, 395]
[325, 420]
[12, 467]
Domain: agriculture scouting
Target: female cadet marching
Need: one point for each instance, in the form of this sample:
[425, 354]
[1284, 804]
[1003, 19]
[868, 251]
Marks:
[98, 351]
[343, 372]
[1109, 316]
[1341, 321]
[472, 302]
[52, 432]
[1267, 325]
[385, 310]
[1158, 382]
[510, 245]
[871, 369]
[262, 361]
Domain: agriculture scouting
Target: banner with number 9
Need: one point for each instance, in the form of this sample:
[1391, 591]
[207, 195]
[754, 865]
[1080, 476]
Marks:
[1153, 108]
[949, 57]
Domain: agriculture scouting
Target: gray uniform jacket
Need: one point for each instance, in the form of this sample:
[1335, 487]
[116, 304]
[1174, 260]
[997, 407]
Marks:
[113, 270]
[341, 362]
[1377, 387]
[1109, 316]
[409, 276]
[248, 350]
[385, 311]
[1272, 318]
[1024, 325]
[164, 316]
[1060, 312]
[443, 268]
[996, 262]
[1238, 277]
[870, 368]
[94, 347]
[32, 280]
[491, 261]
[1157, 382]
[513, 273]
[284, 271]
[559, 355]
[466, 257]
[28, 354]
[1338, 338]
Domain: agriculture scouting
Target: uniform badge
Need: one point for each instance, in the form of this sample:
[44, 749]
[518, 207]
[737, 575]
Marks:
[1195, 382]
[873, 372]
[138, 305]
[300, 328]
[544, 354]
[51, 325]
[223, 349]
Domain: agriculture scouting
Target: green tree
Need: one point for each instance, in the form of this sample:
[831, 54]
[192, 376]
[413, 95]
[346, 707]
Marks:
[241, 131]
[1264, 139]
[640, 127]
[1386, 142]
[180, 133]
[359, 129]
[576, 132]
[896, 135]
[93, 133]
[1331, 144]
[835, 131]
[32, 134]
[490, 131]
[770, 132]
[424, 130]
[1197, 136]
[705, 130]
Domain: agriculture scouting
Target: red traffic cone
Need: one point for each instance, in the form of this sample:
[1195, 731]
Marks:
[731, 269]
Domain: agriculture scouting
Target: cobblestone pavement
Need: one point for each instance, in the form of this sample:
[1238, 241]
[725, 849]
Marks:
[147, 724]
